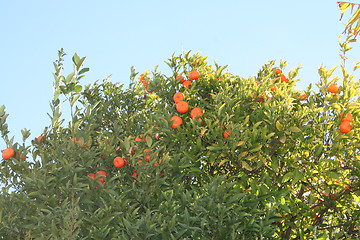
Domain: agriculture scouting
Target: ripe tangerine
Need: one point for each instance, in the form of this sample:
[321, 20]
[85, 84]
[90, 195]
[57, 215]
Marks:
[180, 78]
[278, 71]
[194, 74]
[333, 88]
[119, 162]
[40, 139]
[187, 83]
[196, 113]
[182, 107]
[92, 175]
[284, 78]
[176, 121]
[345, 127]
[178, 97]
[227, 133]
[303, 97]
[348, 117]
[8, 153]
[101, 179]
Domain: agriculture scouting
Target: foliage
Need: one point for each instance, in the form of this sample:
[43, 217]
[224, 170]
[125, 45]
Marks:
[282, 170]
[353, 25]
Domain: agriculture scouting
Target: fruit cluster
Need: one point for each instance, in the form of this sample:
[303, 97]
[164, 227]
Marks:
[345, 124]
[181, 105]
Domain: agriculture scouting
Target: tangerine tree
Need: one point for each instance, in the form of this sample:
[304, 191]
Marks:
[198, 154]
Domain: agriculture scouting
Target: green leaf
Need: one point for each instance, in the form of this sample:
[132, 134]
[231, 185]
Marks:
[246, 121]
[25, 133]
[246, 166]
[74, 99]
[69, 78]
[287, 177]
[149, 141]
[84, 70]
[214, 148]
[77, 88]
[270, 135]
[279, 126]
[2, 110]
[221, 108]
[333, 175]
[240, 143]
[256, 125]
[297, 176]
[256, 148]
[76, 59]
[282, 139]
[294, 129]
[222, 162]
[285, 208]
[127, 144]
[318, 150]
[344, 6]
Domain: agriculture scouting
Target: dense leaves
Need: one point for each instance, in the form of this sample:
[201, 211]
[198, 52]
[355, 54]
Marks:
[353, 24]
[256, 159]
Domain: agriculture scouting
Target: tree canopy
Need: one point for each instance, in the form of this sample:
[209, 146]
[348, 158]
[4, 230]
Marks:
[200, 153]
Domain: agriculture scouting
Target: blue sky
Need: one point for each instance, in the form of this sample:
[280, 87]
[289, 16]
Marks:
[115, 35]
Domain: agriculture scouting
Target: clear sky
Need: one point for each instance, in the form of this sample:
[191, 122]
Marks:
[115, 35]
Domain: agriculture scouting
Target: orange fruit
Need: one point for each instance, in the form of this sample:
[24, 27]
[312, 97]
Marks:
[227, 133]
[196, 113]
[278, 71]
[134, 173]
[273, 89]
[178, 97]
[283, 78]
[260, 99]
[119, 162]
[176, 121]
[180, 78]
[182, 107]
[79, 141]
[348, 117]
[194, 74]
[345, 127]
[101, 179]
[147, 156]
[333, 88]
[302, 97]
[8, 153]
[40, 139]
[187, 83]
[142, 78]
[140, 138]
[92, 175]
